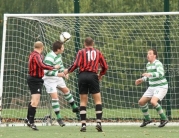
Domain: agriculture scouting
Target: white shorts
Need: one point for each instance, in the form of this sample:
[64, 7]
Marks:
[157, 92]
[51, 83]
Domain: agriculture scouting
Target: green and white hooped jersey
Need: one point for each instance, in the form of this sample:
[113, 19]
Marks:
[52, 59]
[157, 71]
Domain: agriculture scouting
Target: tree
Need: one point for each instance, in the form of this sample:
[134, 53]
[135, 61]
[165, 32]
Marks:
[25, 6]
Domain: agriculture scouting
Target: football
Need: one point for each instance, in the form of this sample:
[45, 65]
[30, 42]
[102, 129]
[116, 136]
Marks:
[65, 37]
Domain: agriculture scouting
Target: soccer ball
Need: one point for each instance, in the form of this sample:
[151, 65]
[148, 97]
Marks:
[65, 37]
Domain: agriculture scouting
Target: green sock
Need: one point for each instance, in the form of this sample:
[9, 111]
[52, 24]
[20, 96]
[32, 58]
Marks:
[69, 98]
[58, 115]
[160, 112]
[145, 112]
[73, 105]
[56, 107]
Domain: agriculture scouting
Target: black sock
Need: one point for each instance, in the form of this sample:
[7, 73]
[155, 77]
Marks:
[99, 113]
[83, 114]
[72, 103]
[32, 111]
[28, 110]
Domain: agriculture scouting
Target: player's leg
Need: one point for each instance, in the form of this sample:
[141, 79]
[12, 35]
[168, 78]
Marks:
[69, 98]
[30, 84]
[26, 121]
[159, 94]
[67, 94]
[143, 103]
[97, 100]
[56, 108]
[83, 104]
[35, 98]
[35, 86]
[83, 91]
[94, 89]
[51, 89]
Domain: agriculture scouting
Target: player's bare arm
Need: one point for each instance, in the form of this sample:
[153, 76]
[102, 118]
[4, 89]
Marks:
[138, 81]
[100, 77]
[57, 66]
[147, 74]
[65, 71]
[61, 74]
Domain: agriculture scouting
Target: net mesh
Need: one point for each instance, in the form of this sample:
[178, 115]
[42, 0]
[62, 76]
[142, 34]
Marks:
[124, 41]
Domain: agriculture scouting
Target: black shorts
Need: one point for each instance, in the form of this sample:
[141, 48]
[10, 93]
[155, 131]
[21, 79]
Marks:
[35, 84]
[88, 83]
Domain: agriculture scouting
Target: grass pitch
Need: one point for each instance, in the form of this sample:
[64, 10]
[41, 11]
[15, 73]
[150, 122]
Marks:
[73, 132]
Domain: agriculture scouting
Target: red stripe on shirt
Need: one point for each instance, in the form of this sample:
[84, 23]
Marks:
[36, 65]
[89, 59]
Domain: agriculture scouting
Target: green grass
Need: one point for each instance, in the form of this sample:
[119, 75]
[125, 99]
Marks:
[73, 132]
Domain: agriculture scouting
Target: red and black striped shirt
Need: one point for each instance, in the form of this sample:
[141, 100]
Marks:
[36, 65]
[89, 59]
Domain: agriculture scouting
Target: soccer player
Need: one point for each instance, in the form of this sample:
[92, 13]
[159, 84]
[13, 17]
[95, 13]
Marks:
[53, 81]
[157, 89]
[35, 81]
[88, 60]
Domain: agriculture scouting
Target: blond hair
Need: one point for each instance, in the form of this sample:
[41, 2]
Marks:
[38, 44]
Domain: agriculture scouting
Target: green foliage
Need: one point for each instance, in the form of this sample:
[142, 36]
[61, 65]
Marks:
[25, 6]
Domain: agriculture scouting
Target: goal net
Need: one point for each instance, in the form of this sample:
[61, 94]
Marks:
[123, 38]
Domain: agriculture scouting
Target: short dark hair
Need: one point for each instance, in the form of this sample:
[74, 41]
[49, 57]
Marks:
[154, 52]
[57, 45]
[89, 41]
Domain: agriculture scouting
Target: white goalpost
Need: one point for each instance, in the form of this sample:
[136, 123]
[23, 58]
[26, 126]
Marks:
[124, 38]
